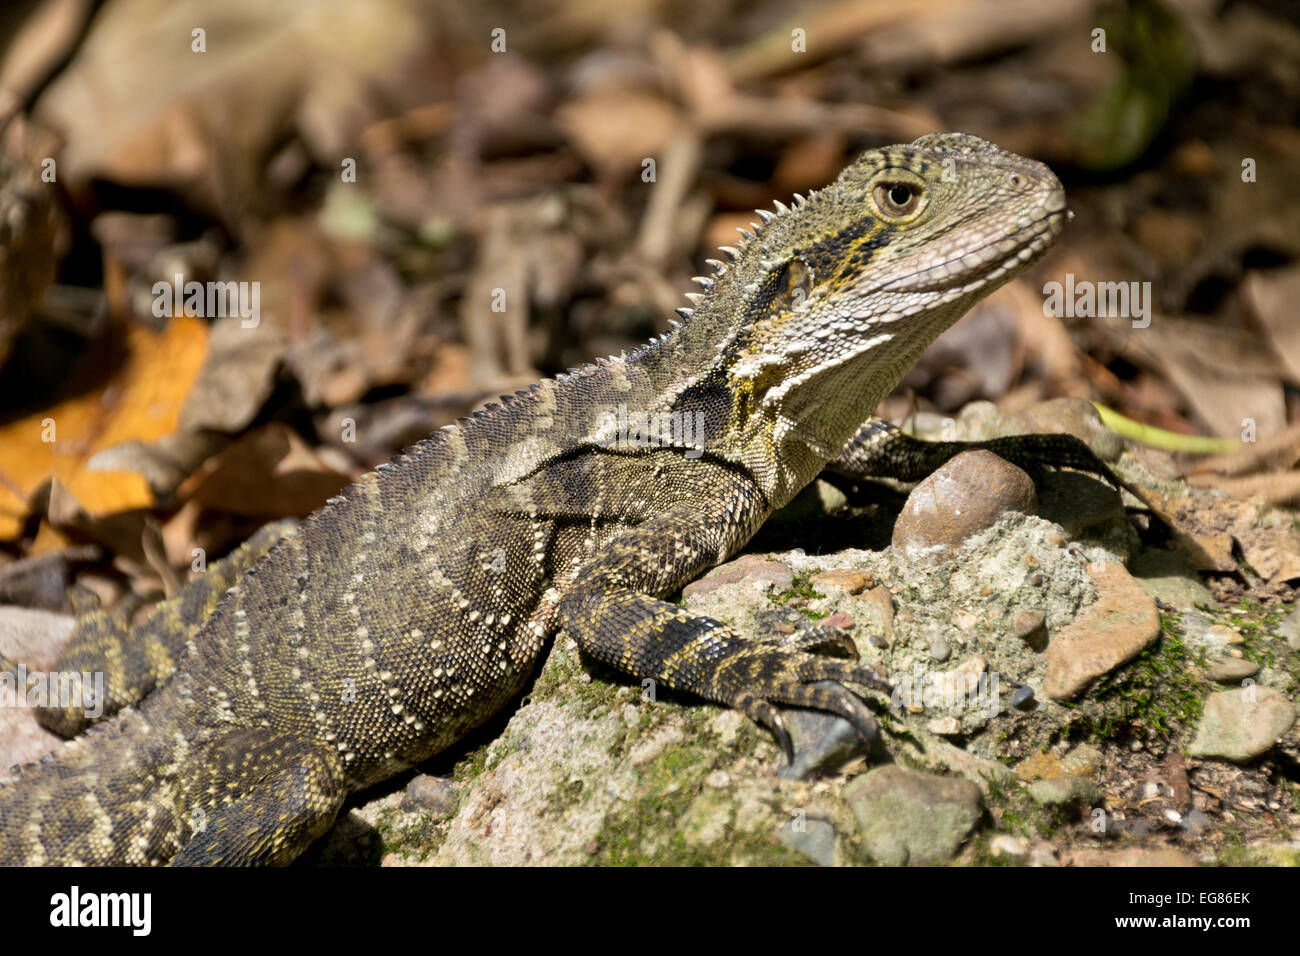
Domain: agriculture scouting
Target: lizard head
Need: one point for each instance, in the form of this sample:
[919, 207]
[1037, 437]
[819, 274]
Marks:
[826, 307]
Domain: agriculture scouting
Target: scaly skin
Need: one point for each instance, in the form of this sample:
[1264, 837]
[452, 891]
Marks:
[415, 605]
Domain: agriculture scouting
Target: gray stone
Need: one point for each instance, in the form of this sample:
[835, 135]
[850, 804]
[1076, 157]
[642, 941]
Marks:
[823, 743]
[816, 840]
[435, 795]
[906, 816]
[1168, 576]
[940, 649]
[1022, 698]
[1290, 629]
[1242, 724]
[1077, 501]
[1232, 670]
[1065, 791]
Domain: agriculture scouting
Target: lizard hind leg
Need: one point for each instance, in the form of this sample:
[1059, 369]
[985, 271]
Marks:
[113, 665]
[260, 798]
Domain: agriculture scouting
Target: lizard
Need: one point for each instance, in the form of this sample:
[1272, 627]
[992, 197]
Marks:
[321, 658]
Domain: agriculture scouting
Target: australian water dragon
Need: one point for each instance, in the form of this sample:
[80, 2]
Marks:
[317, 660]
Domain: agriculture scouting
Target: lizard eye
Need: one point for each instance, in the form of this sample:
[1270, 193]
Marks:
[897, 200]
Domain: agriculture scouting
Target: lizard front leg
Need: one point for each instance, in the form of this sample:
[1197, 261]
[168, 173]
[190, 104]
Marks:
[882, 450]
[616, 614]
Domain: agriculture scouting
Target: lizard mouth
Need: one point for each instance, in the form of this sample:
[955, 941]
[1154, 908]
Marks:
[970, 269]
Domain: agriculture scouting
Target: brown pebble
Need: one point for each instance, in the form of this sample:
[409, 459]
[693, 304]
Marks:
[849, 580]
[962, 498]
[1031, 627]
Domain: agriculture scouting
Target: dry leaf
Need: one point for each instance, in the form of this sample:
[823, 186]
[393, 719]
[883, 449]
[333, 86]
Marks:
[140, 402]
[269, 471]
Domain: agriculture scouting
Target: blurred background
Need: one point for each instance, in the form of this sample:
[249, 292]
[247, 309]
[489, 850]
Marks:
[380, 169]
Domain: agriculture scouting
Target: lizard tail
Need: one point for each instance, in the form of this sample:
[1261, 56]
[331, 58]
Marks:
[101, 799]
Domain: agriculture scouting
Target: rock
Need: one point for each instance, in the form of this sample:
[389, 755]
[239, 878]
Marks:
[970, 669]
[815, 839]
[718, 780]
[906, 816]
[823, 743]
[727, 726]
[1022, 850]
[944, 726]
[1222, 634]
[763, 573]
[1201, 633]
[1065, 791]
[940, 649]
[1232, 670]
[843, 580]
[1031, 628]
[817, 500]
[1077, 501]
[958, 500]
[707, 819]
[1131, 856]
[1069, 416]
[839, 619]
[1168, 576]
[1082, 761]
[1289, 629]
[876, 607]
[1022, 698]
[435, 795]
[1042, 853]
[1196, 821]
[1242, 724]
[935, 753]
[1110, 632]
[1005, 844]
[32, 638]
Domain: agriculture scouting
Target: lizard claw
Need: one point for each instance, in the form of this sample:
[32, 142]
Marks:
[764, 714]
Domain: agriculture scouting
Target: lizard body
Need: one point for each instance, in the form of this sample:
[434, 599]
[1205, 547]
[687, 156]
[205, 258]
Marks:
[320, 659]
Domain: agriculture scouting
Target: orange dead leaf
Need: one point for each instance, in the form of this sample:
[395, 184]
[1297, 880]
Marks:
[142, 401]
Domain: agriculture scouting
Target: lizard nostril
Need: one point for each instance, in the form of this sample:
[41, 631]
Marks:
[1014, 179]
